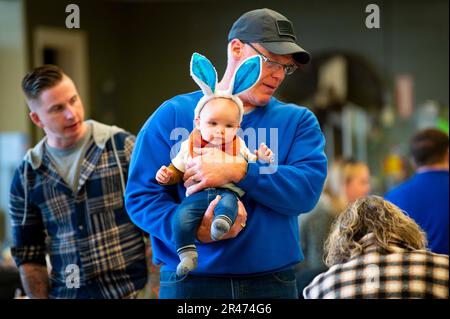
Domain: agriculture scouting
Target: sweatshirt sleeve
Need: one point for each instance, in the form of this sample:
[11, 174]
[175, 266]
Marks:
[150, 205]
[28, 234]
[293, 187]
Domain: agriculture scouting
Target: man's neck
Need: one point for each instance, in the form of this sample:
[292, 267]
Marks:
[61, 143]
[434, 167]
[248, 108]
[224, 84]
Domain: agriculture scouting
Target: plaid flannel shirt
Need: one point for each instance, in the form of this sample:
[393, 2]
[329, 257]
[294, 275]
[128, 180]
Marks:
[405, 274]
[89, 230]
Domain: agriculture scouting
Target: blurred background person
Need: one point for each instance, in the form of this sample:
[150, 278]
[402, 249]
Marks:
[424, 197]
[376, 251]
[347, 181]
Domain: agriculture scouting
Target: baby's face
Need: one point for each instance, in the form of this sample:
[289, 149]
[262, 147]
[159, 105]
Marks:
[218, 121]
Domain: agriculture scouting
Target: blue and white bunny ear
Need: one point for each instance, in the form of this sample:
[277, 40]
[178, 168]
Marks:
[246, 75]
[203, 73]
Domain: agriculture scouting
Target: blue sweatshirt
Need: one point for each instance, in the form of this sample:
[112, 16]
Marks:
[270, 241]
[424, 197]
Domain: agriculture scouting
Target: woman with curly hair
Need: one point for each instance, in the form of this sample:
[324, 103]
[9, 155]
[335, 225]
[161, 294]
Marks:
[347, 181]
[375, 251]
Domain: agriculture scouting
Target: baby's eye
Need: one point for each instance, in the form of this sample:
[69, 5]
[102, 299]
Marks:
[229, 126]
[212, 123]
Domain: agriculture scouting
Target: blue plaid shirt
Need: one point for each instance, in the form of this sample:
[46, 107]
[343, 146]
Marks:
[90, 228]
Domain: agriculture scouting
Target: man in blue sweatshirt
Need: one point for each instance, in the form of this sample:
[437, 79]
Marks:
[256, 261]
[424, 197]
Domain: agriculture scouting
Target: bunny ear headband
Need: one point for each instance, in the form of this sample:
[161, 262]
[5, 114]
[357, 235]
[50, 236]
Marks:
[205, 75]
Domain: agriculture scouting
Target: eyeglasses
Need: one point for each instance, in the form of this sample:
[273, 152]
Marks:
[274, 65]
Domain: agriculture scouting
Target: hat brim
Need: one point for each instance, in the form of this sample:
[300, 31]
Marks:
[299, 54]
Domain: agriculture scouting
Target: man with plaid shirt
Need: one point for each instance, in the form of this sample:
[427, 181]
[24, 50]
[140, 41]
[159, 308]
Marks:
[375, 251]
[67, 200]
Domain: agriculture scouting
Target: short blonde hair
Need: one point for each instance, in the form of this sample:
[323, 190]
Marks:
[341, 172]
[370, 214]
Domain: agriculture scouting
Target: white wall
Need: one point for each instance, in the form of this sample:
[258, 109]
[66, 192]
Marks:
[13, 110]
[14, 122]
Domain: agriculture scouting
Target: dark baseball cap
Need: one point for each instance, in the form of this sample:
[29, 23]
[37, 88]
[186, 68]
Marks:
[271, 30]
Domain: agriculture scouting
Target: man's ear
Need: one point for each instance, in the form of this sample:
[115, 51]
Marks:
[35, 118]
[237, 49]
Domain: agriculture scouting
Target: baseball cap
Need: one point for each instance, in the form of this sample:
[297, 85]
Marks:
[271, 30]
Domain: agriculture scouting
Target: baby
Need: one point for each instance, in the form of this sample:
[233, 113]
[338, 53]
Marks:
[218, 115]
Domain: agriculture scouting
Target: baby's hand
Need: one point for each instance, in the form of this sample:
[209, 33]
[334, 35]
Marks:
[164, 175]
[264, 153]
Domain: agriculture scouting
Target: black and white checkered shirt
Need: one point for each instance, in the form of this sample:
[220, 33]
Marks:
[378, 274]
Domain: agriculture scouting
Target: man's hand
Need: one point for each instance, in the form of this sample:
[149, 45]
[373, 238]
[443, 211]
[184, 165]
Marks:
[264, 153]
[204, 230]
[213, 168]
[164, 175]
